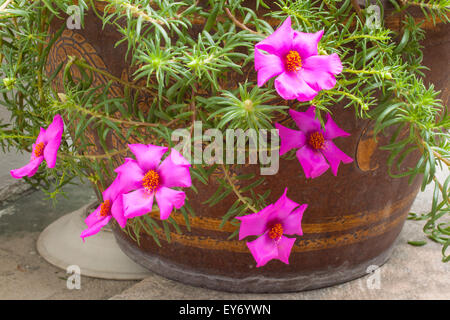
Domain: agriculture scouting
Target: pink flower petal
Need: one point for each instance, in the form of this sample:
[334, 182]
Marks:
[137, 203]
[52, 140]
[114, 195]
[41, 137]
[331, 64]
[94, 217]
[115, 189]
[283, 207]
[332, 130]
[313, 162]
[306, 121]
[112, 191]
[178, 159]
[51, 150]
[95, 228]
[148, 156]
[334, 156]
[292, 224]
[290, 85]
[174, 171]
[290, 139]
[279, 42]
[284, 248]
[167, 199]
[268, 66]
[318, 80]
[55, 129]
[130, 175]
[263, 249]
[28, 170]
[254, 224]
[306, 43]
[319, 71]
[117, 211]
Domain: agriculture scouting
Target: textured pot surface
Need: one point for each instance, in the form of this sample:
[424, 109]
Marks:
[351, 223]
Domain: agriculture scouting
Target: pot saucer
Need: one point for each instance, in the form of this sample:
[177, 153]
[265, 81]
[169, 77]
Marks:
[99, 256]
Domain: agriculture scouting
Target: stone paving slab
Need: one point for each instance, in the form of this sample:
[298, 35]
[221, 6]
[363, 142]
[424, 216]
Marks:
[25, 275]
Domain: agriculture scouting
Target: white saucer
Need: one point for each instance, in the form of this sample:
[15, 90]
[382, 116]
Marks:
[99, 257]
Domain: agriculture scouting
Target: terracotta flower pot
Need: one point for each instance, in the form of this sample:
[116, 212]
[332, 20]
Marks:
[352, 220]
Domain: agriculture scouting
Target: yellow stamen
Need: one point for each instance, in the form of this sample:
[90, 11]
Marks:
[39, 149]
[316, 140]
[105, 208]
[293, 61]
[151, 181]
[276, 232]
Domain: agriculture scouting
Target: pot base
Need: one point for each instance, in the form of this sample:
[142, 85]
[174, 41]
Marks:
[260, 284]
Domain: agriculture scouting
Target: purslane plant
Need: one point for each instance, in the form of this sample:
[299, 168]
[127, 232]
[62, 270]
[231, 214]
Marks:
[379, 75]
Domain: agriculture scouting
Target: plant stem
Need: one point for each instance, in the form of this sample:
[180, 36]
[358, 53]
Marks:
[236, 191]
[81, 63]
[40, 50]
[95, 156]
[193, 108]
[124, 122]
[15, 136]
[240, 24]
[351, 96]
[421, 4]
[423, 146]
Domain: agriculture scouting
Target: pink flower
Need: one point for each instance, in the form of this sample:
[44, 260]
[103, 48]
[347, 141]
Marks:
[149, 179]
[272, 223]
[46, 147]
[292, 56]
[111, 207]
[313, 143]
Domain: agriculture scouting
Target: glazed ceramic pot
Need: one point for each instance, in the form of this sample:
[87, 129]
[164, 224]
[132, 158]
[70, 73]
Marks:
[352, 220]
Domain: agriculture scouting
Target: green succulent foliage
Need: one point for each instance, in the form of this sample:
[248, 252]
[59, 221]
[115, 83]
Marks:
[184, 77]
[245, 108]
